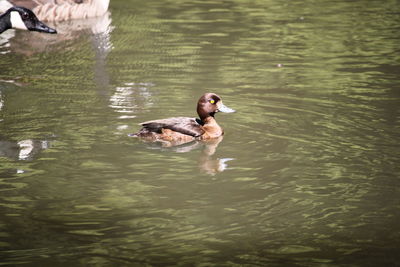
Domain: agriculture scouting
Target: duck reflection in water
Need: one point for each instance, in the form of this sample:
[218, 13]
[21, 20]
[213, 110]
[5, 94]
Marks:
[207, 162]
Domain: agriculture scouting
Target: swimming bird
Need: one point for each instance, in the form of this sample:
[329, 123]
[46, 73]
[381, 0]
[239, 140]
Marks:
[60, 10]
[179, 130]
[24, 19]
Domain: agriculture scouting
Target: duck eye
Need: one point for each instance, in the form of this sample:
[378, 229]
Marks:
[212, 101]
[25, 15]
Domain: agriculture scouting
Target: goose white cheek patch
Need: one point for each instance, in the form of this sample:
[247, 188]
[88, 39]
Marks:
[16, 21]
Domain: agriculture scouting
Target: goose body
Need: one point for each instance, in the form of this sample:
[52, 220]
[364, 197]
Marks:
[24, 19]
[60, 10]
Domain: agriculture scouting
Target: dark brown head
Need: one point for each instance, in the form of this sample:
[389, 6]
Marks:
[209, 104]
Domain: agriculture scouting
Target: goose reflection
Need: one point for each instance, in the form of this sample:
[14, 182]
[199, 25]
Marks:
[22, 150]
[207, 162]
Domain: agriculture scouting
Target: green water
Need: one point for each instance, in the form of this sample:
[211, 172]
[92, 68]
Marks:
[307, 174]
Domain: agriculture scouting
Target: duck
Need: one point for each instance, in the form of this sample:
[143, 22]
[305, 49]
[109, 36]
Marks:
[22, 18]
[179, 130]
[61, 10]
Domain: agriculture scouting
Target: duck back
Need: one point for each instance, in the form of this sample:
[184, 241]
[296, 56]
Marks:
[183, 125]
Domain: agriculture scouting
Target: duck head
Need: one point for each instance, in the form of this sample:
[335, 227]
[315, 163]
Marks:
[24, 19]
[209, 104]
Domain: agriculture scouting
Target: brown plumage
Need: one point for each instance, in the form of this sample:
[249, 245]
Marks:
[60, 10]
[179, 130]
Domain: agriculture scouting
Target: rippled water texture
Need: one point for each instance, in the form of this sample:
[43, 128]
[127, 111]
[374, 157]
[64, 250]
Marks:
[307, 173]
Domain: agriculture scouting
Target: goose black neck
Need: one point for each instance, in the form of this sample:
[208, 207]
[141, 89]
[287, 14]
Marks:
[5, 22]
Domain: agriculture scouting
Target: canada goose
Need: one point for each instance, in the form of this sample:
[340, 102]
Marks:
[24, 19]
[60, 10]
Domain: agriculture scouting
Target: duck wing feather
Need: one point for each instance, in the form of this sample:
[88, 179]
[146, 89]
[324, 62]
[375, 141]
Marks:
[184, 125]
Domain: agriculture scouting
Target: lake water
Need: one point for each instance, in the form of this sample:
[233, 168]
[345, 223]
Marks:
[307, 173]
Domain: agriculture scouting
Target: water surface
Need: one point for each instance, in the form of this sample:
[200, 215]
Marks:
[307, 173]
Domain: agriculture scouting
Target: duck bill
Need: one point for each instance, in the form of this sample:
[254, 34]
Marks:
[225, 109]
[41, 27]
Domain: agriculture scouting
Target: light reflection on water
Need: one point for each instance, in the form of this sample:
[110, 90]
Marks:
[306, 174]
[131, 97]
